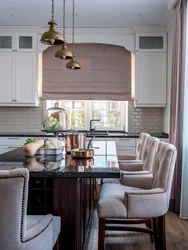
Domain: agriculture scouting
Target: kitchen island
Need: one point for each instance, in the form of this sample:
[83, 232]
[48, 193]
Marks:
[65, 187]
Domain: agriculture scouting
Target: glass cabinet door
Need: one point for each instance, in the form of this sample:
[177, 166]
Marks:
[25, 42]
[151, 42]
[5, 42]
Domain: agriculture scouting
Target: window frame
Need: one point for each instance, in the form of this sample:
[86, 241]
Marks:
[88, 115]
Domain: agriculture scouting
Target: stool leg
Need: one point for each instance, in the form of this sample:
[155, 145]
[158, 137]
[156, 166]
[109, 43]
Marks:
[56, 246]
[101, 234]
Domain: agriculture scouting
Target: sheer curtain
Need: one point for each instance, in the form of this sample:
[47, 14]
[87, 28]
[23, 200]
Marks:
[184, 196]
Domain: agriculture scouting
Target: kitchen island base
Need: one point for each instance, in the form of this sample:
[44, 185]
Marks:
[70, 198]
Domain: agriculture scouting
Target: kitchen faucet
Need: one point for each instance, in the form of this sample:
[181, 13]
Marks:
[93, 120]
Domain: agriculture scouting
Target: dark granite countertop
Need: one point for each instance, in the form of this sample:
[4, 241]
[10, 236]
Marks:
[101, 134]
[104, 165]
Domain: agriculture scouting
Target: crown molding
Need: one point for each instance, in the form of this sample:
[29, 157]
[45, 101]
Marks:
[28, 29]
[148, 29]
[94, 31]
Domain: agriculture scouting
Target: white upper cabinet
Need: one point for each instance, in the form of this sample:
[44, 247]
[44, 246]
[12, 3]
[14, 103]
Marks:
[150, 84]
[18, 86]
[18, 42]
[151, 42]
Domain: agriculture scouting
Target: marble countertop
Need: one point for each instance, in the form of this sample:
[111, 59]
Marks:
[103, 165]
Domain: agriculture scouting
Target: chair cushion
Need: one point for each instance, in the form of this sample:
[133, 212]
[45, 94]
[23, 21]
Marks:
[111, 201]
[110, 180]
[32, 220]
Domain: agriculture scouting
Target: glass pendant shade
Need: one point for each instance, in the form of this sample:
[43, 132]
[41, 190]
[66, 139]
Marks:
[73, 64]
[52, 37]
[64, 53]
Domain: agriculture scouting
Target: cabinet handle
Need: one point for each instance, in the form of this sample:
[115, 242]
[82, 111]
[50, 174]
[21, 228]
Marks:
[13, 138]
[124, 139]
[12, 147]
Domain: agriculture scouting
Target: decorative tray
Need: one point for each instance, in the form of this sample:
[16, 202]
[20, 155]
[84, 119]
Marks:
[49, 151]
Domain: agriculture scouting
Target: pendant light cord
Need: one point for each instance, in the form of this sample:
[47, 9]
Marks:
[64, 18]
[53, 11]
[73, 21]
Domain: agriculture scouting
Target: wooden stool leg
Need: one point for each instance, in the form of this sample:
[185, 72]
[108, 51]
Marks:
[149, 225]
[101, 234]
[56, 246]
[162, 232]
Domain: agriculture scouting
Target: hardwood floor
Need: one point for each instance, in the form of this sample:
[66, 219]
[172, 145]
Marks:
[176, 236]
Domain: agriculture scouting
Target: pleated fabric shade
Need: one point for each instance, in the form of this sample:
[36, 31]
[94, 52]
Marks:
[105, 74]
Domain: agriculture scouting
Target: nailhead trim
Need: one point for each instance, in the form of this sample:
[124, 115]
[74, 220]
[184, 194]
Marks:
[23, 206]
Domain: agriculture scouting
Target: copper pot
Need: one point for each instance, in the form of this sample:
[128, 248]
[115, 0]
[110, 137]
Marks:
[75, 141]
[82, 153]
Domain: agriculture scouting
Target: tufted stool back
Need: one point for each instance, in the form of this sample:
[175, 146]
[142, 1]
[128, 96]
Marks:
[149, 153]
[163, 166]
[142, 141]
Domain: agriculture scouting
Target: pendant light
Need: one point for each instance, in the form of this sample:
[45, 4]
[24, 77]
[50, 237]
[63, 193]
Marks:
[73, 64]
[52, 37]
[64, 53]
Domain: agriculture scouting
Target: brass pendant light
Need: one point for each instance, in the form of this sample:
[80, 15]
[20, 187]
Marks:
[52, 37]
[64, 53]
[73, 64]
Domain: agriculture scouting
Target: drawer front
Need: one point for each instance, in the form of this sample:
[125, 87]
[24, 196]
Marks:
[12, 141]
[126, 150]
[124, 142]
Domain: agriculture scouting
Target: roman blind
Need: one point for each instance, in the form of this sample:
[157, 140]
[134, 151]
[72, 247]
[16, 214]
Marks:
[105, 74]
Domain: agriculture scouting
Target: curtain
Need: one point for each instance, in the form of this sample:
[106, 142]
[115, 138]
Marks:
[105, 74]
[184, 199]
[177, 94]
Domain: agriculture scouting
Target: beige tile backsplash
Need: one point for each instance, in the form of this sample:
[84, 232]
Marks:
[20, 119]
[145, 119]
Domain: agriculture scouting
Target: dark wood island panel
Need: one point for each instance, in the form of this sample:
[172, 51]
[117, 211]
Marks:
[72, 199]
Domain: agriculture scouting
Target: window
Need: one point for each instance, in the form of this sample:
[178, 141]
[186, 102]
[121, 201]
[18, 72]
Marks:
[112, 114]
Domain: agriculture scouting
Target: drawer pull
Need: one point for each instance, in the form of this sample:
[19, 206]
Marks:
[13, 138]
[124, 139]
[12, 147]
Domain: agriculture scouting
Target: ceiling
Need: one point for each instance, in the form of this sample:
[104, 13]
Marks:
[89, 13]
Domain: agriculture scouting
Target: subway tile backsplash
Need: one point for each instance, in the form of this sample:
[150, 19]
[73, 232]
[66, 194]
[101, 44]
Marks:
[145, 119]
[20, 119]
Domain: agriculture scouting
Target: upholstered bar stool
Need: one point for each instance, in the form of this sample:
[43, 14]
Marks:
[126, 203]
[135, 167]
[17, 230]
[139, 149]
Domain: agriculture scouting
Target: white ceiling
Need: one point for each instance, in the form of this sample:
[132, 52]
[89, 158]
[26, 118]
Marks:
[89, 13]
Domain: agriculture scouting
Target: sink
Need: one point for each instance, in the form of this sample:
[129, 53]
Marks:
[95, 133]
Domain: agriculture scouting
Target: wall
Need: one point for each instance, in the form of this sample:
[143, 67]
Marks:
[30, 119]
[166, 124]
